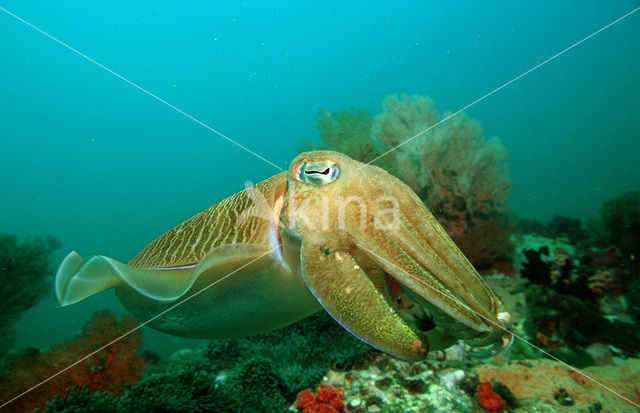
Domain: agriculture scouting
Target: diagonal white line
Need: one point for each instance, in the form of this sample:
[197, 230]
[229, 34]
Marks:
[507, 330]
[504, 85]
[140, 88]
[138, 327]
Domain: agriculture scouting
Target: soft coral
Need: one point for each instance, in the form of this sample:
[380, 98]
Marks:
[111, 369]
[460, 176]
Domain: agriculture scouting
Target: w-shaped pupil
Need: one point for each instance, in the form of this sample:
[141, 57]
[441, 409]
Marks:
[325, 172]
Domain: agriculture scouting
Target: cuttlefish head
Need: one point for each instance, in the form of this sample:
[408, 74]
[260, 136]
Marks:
[380, 263]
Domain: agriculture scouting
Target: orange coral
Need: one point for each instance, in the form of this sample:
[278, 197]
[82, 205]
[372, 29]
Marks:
[327, 399]
[110, 369]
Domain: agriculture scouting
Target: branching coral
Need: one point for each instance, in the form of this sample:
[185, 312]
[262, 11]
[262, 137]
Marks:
[24, 267]
[461, 176]
[110, 370]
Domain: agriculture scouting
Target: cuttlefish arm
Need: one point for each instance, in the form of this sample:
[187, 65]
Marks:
[422, 257]
[358, 302]
[336, 212]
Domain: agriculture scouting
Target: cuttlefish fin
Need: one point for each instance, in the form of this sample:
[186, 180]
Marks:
[77, 278]
[356, 301]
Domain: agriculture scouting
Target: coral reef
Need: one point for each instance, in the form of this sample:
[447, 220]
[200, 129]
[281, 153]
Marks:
[304, 351]
[389, 385]
[572, 300]
[621, 217]
[562, 228]
[24, 268]
[528, 385]
[263, 373]
[268, 372]
[109, 370]
[538, 381]
[574, 309]
[562, 319]
[451, 165]
[461, 176]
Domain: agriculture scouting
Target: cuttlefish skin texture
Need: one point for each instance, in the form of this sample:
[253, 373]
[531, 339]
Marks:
[329, 233]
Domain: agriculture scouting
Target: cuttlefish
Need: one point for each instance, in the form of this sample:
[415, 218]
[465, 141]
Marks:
[328, 233]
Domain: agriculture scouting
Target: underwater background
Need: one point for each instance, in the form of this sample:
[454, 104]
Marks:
[104, 168]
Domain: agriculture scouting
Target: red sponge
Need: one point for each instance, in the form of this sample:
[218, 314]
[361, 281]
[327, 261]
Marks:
[327, 399]
[490, 401]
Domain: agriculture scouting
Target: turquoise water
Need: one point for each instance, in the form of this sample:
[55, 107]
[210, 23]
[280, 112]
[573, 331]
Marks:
[105, 168]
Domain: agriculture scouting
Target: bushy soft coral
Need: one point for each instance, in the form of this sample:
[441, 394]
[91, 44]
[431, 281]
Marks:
[183, 382]
[82, 400]
[174, 392]
[110, 370]
[458, 174]
[258, 387]
[327, 399]
[24, 267]
[304, 351]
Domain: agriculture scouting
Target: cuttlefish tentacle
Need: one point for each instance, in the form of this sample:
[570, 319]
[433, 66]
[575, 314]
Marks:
[357, 303]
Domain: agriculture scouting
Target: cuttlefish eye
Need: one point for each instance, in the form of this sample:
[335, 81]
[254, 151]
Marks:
[317, 172]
